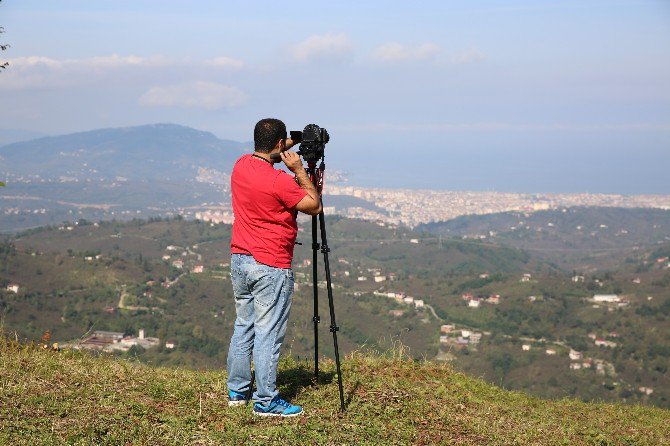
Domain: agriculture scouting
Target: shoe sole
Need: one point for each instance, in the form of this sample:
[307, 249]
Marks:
[270, 414]
[232, 403]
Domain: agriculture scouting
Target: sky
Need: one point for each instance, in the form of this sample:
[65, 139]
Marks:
[520, 96]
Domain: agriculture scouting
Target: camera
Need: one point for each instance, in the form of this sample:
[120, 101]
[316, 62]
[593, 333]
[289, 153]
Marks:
[313, 140]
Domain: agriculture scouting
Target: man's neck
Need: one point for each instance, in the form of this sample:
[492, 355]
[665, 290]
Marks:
[264, 156]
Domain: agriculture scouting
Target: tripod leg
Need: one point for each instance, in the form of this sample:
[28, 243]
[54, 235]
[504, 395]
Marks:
[316, 319]
[333, 326]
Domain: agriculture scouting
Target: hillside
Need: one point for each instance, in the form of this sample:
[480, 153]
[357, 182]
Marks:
[586, 238]
[63, 291]
[69, 397]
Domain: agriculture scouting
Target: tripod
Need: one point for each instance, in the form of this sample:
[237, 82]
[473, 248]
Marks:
[316, 176]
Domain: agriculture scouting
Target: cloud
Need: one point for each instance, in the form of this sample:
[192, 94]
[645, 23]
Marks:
[225, 62]
[199, 94]
[466, 57]
[43, 73]
[397, 52]
[323, 47]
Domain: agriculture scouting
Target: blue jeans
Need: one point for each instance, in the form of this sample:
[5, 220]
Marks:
[262, 302]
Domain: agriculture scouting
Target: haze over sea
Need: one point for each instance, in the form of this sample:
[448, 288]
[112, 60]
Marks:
[607, 170]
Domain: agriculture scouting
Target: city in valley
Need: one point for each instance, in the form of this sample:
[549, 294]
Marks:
[415, 207]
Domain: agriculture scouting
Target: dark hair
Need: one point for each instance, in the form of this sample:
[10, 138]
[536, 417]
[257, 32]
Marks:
[267, 133]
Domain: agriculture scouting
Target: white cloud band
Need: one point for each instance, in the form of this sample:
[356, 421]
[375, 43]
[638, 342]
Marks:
[397, 52]
[325, 46]
[209, 96]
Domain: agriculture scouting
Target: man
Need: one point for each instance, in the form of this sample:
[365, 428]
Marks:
[265, 203]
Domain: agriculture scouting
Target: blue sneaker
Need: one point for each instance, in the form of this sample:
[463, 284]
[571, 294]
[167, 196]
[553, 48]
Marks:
[236, 398]
[277, 408]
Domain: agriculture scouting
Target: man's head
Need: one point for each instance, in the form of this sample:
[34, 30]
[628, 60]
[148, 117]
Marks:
[268, 133]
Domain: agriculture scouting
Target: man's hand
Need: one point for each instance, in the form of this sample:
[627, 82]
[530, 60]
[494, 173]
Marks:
[311, 203]
[292, 161]
[288, 143]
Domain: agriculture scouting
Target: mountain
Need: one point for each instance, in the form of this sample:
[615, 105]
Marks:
[149, 152]
[64, 397]
[122, 173]
[118, 173]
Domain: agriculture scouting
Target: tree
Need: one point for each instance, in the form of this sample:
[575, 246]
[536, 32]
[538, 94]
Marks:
[3, 65]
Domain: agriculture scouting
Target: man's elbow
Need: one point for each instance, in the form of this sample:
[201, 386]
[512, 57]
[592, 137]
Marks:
[315, 210]
[310, 206]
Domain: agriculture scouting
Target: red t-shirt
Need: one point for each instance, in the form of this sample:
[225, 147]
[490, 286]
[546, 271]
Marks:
[264, 200]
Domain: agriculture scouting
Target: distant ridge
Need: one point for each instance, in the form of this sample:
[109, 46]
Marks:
[160, 151]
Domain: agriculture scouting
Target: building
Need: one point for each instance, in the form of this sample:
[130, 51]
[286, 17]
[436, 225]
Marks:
[575, 366]
[178, 264]
[100, 340]
[526, 277]
[645, 390]
[493, 299]
[13, 288]
[608, 298]
[550, 352]
[380, 279]
[418, 303]
[396, 313]
[604, 343]
[197, 269]
[575, 355]
[525, 347]
[447, 328]
[362, 278]
[475, 338]
[170, 345]
[474, 303]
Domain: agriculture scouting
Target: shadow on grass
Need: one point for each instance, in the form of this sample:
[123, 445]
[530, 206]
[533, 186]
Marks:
[293, 380]
[351, 394]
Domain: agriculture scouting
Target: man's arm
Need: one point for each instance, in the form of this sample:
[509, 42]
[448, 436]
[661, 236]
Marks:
[311, 203]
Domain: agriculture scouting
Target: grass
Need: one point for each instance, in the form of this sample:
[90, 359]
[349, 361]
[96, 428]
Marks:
[69, 397]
